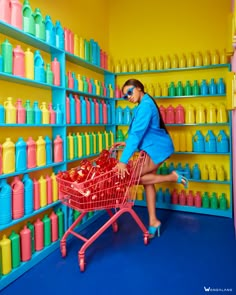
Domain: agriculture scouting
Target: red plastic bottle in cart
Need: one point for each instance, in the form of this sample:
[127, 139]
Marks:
[56, 72]
[49, 189]
[54, 226]
[39, 236]
[36, 195]
[31, 153]
[58, 149]
[17, 198]
[25, 244]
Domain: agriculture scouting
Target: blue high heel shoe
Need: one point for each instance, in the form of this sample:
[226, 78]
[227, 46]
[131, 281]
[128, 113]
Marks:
[153, 231]
[181, 178]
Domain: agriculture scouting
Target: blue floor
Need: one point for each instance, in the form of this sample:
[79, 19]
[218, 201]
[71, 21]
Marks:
[193, 252]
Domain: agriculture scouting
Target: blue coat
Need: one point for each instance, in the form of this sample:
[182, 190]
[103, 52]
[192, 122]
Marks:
[145, 134]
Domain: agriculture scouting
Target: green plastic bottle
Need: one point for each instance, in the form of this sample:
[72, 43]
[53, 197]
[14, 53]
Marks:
[103, 140]
[214, 201]
[91, 145]
[120, 136]
[15, 249]
[7, 57]
[187, 89]
[40, 29]
[29, 113]
[47, 230]
[196, 88]
[66, 81]
[164, 169]
[75, 139]
[83, 144]
[86, 50]
[205, 200]
[97, 142]
[60, 215]
[171, 89]
[223, 202]
[85, 84]
[31, 228]
[179, 89]
[28, 18]
[49, 74]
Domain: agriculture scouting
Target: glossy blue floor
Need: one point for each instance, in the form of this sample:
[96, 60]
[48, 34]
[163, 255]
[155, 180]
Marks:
[194, 253]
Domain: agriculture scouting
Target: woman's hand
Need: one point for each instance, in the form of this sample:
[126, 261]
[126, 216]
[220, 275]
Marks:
[122, 169]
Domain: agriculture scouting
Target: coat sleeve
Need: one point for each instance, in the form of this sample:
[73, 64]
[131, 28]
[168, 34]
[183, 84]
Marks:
[139, 126]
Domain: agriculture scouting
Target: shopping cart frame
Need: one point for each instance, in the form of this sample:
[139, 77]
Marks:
[124, 206]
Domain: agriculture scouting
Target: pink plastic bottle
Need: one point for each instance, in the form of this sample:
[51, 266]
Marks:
[54, 226]
[179, 115]
[96, 111]
[36, 195]
[105, 61]
[190, 198]
[52, 114]
[198, 200]
[89, 85]
[16, 14]
[88, 111]
[0, 159]
[104, 89]
[25, 244]
[58, 149]
[67, 110]
[20, 112]
[66, 36]
[18, 61]
[17, 198]
[49, 189]
[104, 112]
[78, 109]
[71, 41]
[31, 153]
[70, 80]
[182, 198]
[38, 235]
[102, 62]
[170, 115]
[174, 197]
[5, 11]
[163, 113]
[55, 65]
[117, 92]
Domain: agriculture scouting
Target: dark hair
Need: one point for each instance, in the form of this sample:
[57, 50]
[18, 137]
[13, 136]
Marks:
[138, 84]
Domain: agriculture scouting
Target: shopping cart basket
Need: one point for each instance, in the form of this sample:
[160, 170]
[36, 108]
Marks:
[103, 192]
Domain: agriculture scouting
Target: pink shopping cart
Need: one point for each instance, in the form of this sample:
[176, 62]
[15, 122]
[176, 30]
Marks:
[103, 192]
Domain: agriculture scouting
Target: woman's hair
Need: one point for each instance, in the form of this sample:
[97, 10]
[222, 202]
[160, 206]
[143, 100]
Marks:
[138, 84]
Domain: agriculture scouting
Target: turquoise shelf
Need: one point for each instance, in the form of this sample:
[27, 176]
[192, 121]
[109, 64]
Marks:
[88, 94]
[31, 170]
[175, 70]
[32, 125]
[16, 221]
[28, 82]
[83, 63]
[21, 36]
[192, 209]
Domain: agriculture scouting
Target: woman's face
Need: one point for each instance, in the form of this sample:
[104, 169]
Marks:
[132, 94]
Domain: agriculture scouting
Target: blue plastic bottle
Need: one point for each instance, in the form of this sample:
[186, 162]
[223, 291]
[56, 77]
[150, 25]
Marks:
[93, 86]
[212, 87]
[222, 145]
[127, 115]
[92, 110]
[100, 113]
[187, 171]
[50, 31]
[59, 115]
[37, 113]
[167, 196]
[83, 110]
[5, 202]
[72, 109]
[198, 142]
[160, 196]
[28, 193]
[39, 72]
[196, 173]
[171, 167]
[60, 43]
[2, 114]
[204, 88]
[1, 64]
[210, 142]
[48, 143]
[221, 86]
[119, 115]
[21, 155]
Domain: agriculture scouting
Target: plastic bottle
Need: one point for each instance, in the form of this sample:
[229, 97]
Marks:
[18, 61]
[15, 249]
[36, 194]
[200, 114]
[5, 13]
[40, 152]
[75, 142]
[54, 224]
[45, 113]
[48, 145]
[29, 113]
[211, 113]
[189, 142]
[187, 171]
[189, 114]
[29, 64]
[182, 61]
[196, 173]
[39, 235]
[5, 202]
[5, 250]
[43, 191]
[198, 59]
[213, 201]
[50, 31]
[195, 88]
[174, 197]
[204, 88]
[206, 59]
[222, 145]
[179, 89]
[221, 114]
[59, 32]
[205, 173]
[170, 115]
[171, 89]
[182, 198]
[25, 242]
[221, 86]
[49, 74]
[8, 156]
[58, 149]
[212, 173]
[21, 155]
[220, 174]
[39, 73]
[54, 188]
[212, 87]
[59, 115]
[52, 114]
[7, 56]
[72, 109]
[1, 159]
[2, 114]
[215, 58]
[28, 18]
[20, 112]
[223, 202]
[190, 198]
[179, 114]
[49, 189]
[182, 142]
[31, 153]
[60, 215]
[55, 64]
[167, 62]
[32, 235]
[187, 89]
[10, 111]
[205, 200]
[28, 194]
[16, 14]
[210, 142]
[164, 169]
[198, 200]
[17, 187]
[40, 29]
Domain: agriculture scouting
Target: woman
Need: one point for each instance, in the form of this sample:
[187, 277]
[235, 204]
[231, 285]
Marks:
[147, 132]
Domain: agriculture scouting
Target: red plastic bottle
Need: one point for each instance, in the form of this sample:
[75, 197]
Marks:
[198, 200]
[174, 197]
[89, 85]
[88, 111]
[52, 114]
[18, 61]
[38, 235]
[20, 112]
[31, 153]
[67, 110]
[117, 92]
[70, 81]
[49, 189]
[78, 109]
[25, 244]
[54, 226]
[96, 111]
[17, 198]
[104, 112]
[182, 198]
[170, 115]
[163, 113]
[179, 115]
[102, 61]
[66, 36]
[36, 195]
[58, 149]
[5, 11]
[56, 72]
[190, 198]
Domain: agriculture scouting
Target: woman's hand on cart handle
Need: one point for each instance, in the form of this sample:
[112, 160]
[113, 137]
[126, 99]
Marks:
[121, 168]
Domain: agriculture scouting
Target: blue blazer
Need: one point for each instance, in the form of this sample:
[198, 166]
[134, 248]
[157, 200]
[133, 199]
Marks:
[145, 134]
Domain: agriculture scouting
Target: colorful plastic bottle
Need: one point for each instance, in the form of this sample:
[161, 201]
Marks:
[54, 187]
[15, 249]
[182, 61]
[58, 149]
[187, 171]
[54, 225]
[206, 59]
[171, 89]
[204, 88]
[212, 173]
[67, 110]
[59, 115]
[5, 253]
[174, 197]
[52, 114]
[49, 189]
[220, 174]
[170, 115]
[40, 30]
[5, 202]
[25, 243]
[31, 153]
[49, 74]
[5, 13]
[190, 198]
[29, 113]
[176, 141]
[163, 112]
[8, 156]
[210, 142]
[32, 236]
[48, 145]
[212, 87]
[18, 62]
[16, 18]
[39, 72]
[222, 116]
[211, 113]
[182, 198]
[39, 235]
[223, 202]
[205, 200]
[195, 88]
[222, 143]
[59, 32]
[47, 230]
[2, 114]
[36, 195]
[10, 111]
[179, 114]
[7, 56]
[179, 89]
[43, 191]
[29, 64]
[204, 173]
[50, 31]
[190, 60]
[72, 109]
[200, 114]
[20, 112]
[221, 86]
[198, 59]
[40, 152]
[187, 89]
[45, 113]
[196, 173]
[55, 64]
[17, 187]
[198, 200]
[21, 155]
[28, 18]
[28, 194]
[213, 201]
[75, 142]
[189, 142]
[88, 111]
[60, 215]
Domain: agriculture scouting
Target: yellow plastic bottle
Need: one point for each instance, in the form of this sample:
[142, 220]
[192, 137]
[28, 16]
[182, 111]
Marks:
[182, 61]
[145, 64]
[221, 114]
[220, 174]
[200, 114]
[117, 66]
[94, 142]
[43, 191]
[176, 140]
[212, 173]
[165, 89]
[97, 87]
[182, 142]
[70, 141]
[138, 65]
[80, 83]
[54, 187]
[45, 113]
[160, 63]
[29, 64]
[40, 152]
[10, 111]
[152, 64]
[81, 47]
[189, 114]
[206, 59]
[189, 142]
[124, 66]
[211, 113]
[174, 62]
[80, 150]
[99, 141]
[167, 62]
[131, 66]
[158, 90]
[198, 59]
[111, 91]
[87, 143]
[190, 60]
[215, 58]
[76, 45]
[8, 156]
[112, 138]
[205, 173]
[5, 252]
[223, 57]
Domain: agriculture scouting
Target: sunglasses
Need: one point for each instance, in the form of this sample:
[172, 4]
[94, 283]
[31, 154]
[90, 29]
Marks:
[129, 92]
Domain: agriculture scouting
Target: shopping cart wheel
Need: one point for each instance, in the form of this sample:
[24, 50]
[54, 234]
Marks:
[81, 264]
[115, 227]
[146, 240]
[63, 250]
